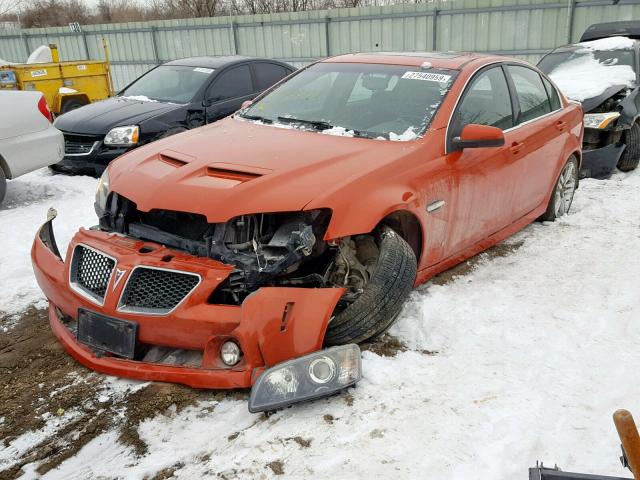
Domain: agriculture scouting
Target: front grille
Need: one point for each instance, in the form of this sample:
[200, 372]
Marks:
[156, 291]
[90, 272]
[79, 144]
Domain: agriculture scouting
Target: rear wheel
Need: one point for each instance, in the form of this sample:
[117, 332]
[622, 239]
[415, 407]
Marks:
[3, 185]
[562, 196]
[631, 155]
[71, 104]
[375, 309]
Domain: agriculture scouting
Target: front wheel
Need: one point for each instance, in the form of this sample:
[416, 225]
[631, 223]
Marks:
[562, 196]
[383, 295]
[631, 155]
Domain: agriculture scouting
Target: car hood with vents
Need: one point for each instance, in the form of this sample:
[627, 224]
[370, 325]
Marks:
[236, 167]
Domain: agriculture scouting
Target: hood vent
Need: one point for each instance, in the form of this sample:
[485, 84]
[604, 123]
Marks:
[174, 162]
[235, 175]
[175, 159]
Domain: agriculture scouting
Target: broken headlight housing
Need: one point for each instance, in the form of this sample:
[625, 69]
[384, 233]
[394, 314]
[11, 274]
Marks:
[317, 375]
[102, 194]
[600, 120]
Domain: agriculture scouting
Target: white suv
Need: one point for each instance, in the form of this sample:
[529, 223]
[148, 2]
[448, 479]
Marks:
[28, 139]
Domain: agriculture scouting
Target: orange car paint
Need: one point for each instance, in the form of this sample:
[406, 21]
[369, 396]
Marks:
[488, 194]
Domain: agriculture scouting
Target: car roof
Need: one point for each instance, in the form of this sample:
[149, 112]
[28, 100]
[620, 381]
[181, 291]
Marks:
[211, 61]
[444, 60]
[596, 31]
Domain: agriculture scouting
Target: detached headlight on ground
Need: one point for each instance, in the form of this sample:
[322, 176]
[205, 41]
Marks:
[317, 375]
[123, 136]
[599, 120]
[102, 193]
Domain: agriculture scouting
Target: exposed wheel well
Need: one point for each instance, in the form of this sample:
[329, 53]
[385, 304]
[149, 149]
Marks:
[408, 227]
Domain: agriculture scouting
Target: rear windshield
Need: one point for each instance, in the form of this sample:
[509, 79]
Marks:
[353, 99]
[169, 83]
[605, 57]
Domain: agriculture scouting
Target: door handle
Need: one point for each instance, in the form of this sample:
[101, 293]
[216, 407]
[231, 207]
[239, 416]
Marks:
[516, 147]
[561, 125]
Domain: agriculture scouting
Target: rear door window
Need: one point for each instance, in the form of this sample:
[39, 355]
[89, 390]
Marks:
[485, 102]
[531, 93]
[553, 95]
[233, 83]
[268, 74]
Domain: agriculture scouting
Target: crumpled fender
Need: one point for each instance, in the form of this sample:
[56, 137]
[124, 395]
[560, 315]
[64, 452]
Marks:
[629, 105]
[279, 324]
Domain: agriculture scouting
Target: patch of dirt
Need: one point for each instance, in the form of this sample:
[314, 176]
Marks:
[277, 467]
[328, 418]
[40, 381]
[303, 442]
[499, 250]
[151, 401]
[385, 345]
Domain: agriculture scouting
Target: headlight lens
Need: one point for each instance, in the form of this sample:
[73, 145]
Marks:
[127, 135]
[599, 120]
[102, 193]
[230, 353]
[313, 376]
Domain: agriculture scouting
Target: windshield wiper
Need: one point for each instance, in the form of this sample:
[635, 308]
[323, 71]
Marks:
[257, 117]
[317, 124]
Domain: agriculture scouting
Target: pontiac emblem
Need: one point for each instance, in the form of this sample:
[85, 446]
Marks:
[119, 276]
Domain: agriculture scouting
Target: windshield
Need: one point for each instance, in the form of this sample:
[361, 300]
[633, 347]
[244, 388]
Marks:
[607, 58]
[169, 83]
[353, 99]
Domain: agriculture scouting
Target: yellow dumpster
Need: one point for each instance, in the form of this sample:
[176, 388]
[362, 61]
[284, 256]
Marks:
[65, 85]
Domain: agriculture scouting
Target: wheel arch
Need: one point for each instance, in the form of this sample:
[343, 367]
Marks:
[406, 224]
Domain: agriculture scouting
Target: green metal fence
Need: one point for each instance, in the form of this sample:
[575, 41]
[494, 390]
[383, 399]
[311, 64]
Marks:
[522, 28]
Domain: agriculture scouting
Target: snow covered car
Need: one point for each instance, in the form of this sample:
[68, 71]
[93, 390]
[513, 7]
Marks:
[601, 72]
[28, 139]
[305, 220]
[174, 97]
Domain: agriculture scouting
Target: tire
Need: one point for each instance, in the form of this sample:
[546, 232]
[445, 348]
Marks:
[631, 155]
[375, 310]
[563, 191]
[72, 104]
[3, 185]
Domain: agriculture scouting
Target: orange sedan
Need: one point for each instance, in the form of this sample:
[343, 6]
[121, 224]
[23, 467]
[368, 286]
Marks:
[305, 220]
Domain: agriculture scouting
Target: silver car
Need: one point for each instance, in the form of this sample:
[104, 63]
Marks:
[28, 139]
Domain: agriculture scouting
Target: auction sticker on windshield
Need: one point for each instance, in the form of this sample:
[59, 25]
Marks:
[430, 77]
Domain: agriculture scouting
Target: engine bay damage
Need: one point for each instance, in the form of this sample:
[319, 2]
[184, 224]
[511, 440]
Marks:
[265, 249]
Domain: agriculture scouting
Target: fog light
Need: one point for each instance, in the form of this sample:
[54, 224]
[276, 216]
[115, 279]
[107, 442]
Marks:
[322, 370]
[230, 353]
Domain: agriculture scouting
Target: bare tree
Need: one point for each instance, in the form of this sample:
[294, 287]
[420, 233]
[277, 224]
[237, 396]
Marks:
[10, 7]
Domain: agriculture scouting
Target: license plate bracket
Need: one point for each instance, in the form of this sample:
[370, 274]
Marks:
[107, 334]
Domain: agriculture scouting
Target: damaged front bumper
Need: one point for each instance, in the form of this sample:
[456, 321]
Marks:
[601, 162]
[181, 344]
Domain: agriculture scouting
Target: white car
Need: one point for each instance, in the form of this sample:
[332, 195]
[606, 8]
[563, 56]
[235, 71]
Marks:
[28, 139]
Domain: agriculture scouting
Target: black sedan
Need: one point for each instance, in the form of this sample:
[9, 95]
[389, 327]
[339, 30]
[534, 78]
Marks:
[171, 98]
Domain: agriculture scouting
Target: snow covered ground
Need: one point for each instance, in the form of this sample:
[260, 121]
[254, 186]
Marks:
[534, 350]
